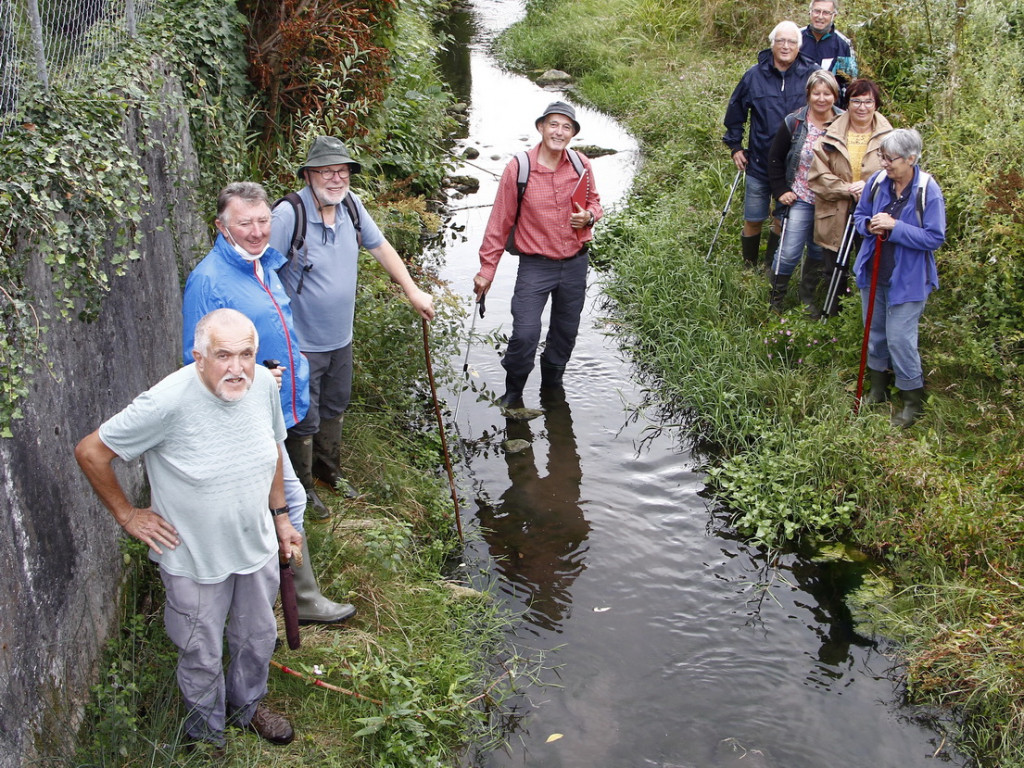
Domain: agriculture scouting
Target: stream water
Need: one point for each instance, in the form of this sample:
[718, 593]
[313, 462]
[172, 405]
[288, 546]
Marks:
[665, 641]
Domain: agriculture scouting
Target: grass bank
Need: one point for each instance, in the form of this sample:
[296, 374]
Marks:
[939, 505]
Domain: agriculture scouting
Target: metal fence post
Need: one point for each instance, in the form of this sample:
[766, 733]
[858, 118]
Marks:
[36, 23]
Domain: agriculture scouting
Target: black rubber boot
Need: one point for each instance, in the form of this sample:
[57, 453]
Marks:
[513, 397]
[880, 381]
[750, 245]
[777, 287]
[300, 453]
[770, 248]
[326, 466]
[913, 407]
[551, 375]
[809, 280]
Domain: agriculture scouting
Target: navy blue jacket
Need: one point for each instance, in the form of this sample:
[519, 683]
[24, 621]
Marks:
[767, 95]
[833, 52]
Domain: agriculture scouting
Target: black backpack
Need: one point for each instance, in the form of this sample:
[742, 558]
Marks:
[524, 176]
[299, 231]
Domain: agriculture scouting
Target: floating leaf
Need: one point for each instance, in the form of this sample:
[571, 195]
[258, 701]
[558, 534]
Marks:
[553, 737]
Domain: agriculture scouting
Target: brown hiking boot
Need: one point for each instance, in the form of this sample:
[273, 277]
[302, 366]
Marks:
[271, 725]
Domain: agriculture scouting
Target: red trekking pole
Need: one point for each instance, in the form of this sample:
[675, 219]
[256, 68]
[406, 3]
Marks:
[867, 322]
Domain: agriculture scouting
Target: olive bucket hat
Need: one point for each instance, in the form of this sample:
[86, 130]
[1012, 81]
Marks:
[328, 150]
[559, 108]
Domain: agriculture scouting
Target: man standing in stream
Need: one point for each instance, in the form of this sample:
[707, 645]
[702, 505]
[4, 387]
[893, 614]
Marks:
[545, 213]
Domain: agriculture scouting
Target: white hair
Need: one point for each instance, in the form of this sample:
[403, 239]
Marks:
[218, 318]
[789, 25]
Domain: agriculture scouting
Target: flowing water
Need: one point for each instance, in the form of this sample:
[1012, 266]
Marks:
[666, 642]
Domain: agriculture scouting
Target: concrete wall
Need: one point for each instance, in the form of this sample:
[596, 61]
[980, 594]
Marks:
[60, 563]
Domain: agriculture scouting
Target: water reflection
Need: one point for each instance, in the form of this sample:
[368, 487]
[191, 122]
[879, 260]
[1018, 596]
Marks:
[537, 532]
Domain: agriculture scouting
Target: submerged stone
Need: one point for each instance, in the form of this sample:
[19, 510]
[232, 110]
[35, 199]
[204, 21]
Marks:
[516, 445]
[521, 414]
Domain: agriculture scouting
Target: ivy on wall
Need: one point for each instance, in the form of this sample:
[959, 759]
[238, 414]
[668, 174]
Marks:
[71, 189]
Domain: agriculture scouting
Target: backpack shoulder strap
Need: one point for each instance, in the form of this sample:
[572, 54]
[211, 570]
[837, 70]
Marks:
[577, 162]
[353, 213]
[299, 230]
[523, 160]
[876, 180]
[922, 195]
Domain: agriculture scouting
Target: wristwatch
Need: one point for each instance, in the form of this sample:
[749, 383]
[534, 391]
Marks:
[278, 511]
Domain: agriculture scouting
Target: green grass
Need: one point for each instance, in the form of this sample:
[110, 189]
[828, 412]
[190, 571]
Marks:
[770, 399]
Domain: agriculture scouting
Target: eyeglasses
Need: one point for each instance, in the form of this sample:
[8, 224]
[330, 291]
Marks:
[862, 102]
[331, 173]
[886, 160]
[822, 13]
[783, 43]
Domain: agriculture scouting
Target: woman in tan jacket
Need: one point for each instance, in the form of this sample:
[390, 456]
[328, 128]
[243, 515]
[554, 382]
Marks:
[844, 158]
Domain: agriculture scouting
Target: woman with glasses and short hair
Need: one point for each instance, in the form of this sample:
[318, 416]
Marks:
[789, 161]
[843, 159]
[902, 218]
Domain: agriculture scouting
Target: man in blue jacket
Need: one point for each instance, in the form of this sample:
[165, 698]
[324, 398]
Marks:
[823, 43]
[767, 92]
[240, 272]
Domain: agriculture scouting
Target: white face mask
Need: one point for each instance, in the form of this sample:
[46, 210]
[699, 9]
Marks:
[244, 253]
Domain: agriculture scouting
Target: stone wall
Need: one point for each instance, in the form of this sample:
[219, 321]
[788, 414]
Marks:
[60, 562]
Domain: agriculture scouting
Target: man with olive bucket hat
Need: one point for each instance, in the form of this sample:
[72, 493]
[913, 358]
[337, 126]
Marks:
[320, 280]
[551, 226]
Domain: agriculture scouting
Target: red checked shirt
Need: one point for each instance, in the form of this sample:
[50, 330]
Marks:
[544, 227]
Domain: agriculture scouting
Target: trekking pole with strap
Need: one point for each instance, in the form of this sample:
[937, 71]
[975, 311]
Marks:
[465, 361]
[831, 307]
[867, 322]
[725, 211]
[440, 429]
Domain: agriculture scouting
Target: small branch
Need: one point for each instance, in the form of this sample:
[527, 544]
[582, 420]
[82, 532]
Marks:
[322, 684]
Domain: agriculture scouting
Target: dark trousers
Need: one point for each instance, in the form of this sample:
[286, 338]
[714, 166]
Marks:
[330, 388]
[538, 278]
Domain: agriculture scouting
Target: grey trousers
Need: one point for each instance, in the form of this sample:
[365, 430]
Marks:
[195, 618]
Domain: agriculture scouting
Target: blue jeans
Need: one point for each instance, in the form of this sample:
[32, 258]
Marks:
[892, 341]
[799, 225]
[757, 199]
[538, 278]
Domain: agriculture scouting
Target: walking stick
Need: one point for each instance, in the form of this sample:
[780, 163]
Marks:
[465, 360]
[867, 323]
[777, 260]
[725, 211]
[842, 261]
[440, 427]
[289, 602]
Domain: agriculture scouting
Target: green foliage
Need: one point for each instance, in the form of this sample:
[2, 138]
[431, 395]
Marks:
[79, 206]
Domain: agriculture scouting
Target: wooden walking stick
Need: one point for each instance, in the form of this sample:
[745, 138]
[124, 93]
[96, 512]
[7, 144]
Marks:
[440, 428]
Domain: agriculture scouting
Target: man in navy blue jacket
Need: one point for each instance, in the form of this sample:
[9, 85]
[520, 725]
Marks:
[823, 43]
[767, 92]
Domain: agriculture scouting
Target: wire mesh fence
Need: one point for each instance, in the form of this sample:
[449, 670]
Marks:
[57, 43]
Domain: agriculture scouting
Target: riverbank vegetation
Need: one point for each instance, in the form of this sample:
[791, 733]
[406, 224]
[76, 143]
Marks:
[408, 681]
[767, 401]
